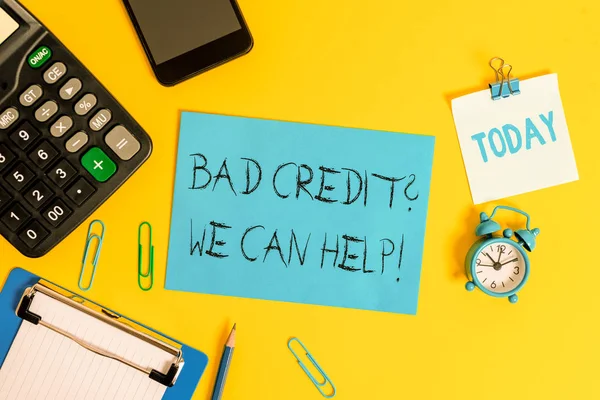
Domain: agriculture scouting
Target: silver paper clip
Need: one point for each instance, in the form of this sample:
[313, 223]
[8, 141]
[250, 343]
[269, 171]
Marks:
[319, 385]
[504, 85]
[88, 242]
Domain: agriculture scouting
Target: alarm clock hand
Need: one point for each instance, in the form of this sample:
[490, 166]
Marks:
[490, 257]
[509, 261]
[499, 256]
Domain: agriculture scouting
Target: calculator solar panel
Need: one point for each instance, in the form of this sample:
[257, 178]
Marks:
[66, 144]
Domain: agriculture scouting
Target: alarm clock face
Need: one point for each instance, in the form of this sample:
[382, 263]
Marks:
[500, 267]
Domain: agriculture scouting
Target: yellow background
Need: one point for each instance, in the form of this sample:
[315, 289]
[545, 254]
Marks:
[389, 65]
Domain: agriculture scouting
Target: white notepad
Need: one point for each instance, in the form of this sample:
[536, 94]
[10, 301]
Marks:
[44, 364]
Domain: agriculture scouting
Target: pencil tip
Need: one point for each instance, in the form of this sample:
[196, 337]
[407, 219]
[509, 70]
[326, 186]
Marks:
[231, 338]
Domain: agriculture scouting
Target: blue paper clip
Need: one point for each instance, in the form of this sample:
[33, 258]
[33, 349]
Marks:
[504, 85]
[86, 250]
[318, 385]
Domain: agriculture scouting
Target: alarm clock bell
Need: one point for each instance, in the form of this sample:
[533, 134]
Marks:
[487, 226]
[526, 238]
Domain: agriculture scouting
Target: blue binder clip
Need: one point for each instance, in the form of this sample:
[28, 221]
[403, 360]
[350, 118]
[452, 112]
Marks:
[504, 85]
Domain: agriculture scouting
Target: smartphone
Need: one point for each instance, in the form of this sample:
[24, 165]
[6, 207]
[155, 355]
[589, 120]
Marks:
[183, 38]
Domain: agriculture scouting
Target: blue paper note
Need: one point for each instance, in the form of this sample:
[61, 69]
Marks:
[299, 212]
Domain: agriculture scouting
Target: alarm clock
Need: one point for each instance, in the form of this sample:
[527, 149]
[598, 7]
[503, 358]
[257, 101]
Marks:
[498, 264]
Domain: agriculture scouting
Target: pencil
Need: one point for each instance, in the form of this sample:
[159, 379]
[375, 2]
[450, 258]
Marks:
[224, 366]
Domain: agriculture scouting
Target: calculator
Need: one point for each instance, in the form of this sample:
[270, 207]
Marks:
[66, 144]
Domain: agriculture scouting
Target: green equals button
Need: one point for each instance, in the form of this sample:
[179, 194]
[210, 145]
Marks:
[98, 164]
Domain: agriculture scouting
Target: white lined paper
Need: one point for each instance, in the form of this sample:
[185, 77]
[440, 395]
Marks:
[43, 364]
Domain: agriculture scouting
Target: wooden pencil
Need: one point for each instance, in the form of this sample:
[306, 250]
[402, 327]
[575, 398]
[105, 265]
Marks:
[224, 365]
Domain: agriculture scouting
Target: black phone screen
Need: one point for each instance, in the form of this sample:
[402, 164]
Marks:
[174, 27]
[185, 37]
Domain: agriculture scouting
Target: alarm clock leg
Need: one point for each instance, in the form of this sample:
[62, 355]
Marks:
[513, 299]
[470, 286]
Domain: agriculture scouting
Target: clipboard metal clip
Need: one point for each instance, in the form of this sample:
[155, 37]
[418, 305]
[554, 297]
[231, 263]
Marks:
[167, 378]
[319, 385]
[86, 250]
[504, 86]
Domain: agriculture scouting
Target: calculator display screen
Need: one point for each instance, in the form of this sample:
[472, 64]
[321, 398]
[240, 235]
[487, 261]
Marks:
[175, 27]
[7, 26]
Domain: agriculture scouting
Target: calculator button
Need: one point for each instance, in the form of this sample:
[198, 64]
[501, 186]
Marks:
[38, 195]
[98, 164]
[80, 191]
[15, 217]
[55, 72]
[76, 142]
[61, 126]
[31, 95]
[39, 57]
[57, 213]
[100, 120]
[43, 154]
[6, 156]
[8, 117]
[4, 198]
[46, 111]
[33, 234]
[24, 136]
[70, 89]
[85, 104]
[62, 173]
[19, 176]
[122, 142]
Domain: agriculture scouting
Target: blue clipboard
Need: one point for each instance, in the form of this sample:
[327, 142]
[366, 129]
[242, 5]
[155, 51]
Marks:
[10, 296]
